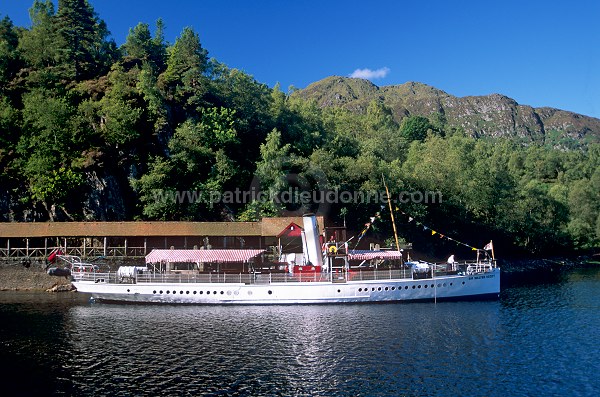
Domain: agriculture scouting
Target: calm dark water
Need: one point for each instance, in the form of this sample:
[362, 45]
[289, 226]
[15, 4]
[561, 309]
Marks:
[538, 339]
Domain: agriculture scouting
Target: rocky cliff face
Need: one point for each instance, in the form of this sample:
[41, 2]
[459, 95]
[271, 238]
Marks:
[480, 116]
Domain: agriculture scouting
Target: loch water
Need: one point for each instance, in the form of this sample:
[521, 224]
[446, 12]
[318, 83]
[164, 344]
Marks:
[541, 338]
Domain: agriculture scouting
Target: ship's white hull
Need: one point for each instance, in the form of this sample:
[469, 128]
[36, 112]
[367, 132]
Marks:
[484, 285]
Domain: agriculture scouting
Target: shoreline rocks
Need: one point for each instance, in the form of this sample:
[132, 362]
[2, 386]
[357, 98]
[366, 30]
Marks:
[16, 277]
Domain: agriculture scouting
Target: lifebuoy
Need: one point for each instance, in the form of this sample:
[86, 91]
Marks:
[333, 249]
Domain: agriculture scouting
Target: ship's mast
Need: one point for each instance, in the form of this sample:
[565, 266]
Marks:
[389, 200]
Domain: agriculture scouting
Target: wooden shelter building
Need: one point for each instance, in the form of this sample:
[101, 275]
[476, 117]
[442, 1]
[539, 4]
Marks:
[136, 239]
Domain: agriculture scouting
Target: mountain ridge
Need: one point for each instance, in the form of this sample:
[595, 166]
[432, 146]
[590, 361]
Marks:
[493, 115]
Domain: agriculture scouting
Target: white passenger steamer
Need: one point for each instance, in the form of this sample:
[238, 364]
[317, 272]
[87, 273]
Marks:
[323, 275]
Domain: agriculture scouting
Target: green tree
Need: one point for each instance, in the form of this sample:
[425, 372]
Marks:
[584, 205]
[415, 128]
[118, 111]
[84, 51]
[46, 149]
[271, 170]
[39, 45]
[9, 57]
[187, 60]
[141, 45]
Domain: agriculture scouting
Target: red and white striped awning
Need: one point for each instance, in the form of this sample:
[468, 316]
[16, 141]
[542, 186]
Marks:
[204, 256]
[365, 255]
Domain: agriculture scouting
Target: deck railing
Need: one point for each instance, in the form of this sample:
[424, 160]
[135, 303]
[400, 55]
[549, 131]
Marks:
[338, 275]
[41, 253]
[242, 278]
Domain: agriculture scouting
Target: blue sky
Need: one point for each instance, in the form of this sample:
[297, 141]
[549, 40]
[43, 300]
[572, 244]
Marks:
[540, 53]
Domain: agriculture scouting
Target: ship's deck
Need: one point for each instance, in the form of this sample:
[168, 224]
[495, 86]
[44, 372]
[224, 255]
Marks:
[266, 278]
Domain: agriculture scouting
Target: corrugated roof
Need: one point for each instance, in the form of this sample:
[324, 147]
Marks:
[274, 226]
[127, 229]
[268, 227]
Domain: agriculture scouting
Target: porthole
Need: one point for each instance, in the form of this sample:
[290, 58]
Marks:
[425, 286]
[406, 287]
[463, 283]
[373, 289]
[200, 292]
[187, 292]
[393, 288]
[168, 292]
[339, 290]
[386, 288]
[129, 290]
[360, 290]
[270, 292]
[161, 291]
[444, 284]
[450, 284]
[228, 292]
[432, 285]
[207, 292]
[419, 286]
[154, 292]
[181, 292]
[249, 292]
[214, 292]
[379, 289]
[236, 292]
[194, 292]
[222, 292]
[414, 287]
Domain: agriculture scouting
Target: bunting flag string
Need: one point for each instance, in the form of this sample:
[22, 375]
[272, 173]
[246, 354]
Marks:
[434, 232]
[368, 226]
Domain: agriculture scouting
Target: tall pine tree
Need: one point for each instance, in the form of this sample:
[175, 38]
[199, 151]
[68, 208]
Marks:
[84, 50]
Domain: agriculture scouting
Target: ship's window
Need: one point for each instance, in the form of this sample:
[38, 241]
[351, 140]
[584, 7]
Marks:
[450, 283]
[200, 292]
[270, 292]
[406, 287]
[194, 292]
[373, 289]
[249, 292]
[425, 285]
[414, 287]
[444, 284]
[393, 288]
[154, 292]
[236, 292]
[215, 292]
[432, 285]
[228, 292]
[439, 285]
[419, 286]
[222, 292]
[187, 292]
[386, 288]
[463, 282]
[339, 291]
[379, 289]
[128, 290]
[360, 290]
[161, 292]
[181, 292]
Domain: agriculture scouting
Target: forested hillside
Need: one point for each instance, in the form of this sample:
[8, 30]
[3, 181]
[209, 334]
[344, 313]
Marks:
[155, 130]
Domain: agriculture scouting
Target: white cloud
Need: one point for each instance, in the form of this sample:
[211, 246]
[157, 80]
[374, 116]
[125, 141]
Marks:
[370, 74]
